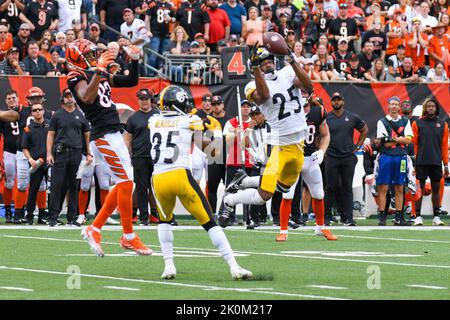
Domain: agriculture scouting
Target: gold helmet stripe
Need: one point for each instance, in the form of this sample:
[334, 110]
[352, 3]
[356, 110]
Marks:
[161, 98]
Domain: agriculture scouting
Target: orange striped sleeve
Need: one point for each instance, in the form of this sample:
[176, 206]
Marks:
[415, 138]
[445, 144]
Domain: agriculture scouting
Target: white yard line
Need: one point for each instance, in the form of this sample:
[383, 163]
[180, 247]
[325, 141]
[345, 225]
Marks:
[426, 287]
[268, 254]
[121, 288]
[292, 232]
[176, 284]
[17, 289]
[319, 286]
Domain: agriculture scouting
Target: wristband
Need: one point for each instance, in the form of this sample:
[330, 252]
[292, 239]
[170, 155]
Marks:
[101, 73]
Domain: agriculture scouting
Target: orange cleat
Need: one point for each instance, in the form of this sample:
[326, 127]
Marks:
[327, 234]
[135, 245]
[93, 238]
[281, 237]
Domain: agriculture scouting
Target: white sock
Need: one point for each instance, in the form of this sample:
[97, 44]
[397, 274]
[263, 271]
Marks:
[220, 241]
[251, 182]
[248, 196]
[319, 228]
[129, 236]
[165, 236]
[96, 229]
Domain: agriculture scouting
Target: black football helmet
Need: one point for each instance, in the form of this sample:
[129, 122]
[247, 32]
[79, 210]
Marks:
[174, 98]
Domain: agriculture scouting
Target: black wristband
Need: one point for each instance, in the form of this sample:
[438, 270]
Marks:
[102, 74]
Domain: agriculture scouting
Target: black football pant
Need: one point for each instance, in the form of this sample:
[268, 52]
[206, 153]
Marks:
[142, 171]
[339, 173]
[64, 177]
[216, 172]
[35, 182]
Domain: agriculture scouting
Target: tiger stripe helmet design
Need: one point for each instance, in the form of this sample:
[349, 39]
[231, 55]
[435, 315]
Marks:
[35, 95]
[174, 98]
[82, 54]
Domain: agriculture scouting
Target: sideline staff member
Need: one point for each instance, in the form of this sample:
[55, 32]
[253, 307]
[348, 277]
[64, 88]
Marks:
[68, 128]
[341, 159]
[34, 149]
[137, 139]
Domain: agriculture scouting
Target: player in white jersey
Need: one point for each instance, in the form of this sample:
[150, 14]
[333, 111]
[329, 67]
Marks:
[278, 95]
[134, 28]
[316, 145]
[171, 135]
[69, 10]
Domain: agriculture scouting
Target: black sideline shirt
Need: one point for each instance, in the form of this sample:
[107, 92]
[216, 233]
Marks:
[69, 128]
[137, 126]
[341, 133]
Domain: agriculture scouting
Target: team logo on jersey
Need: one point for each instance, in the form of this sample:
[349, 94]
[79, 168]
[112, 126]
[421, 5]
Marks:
[77, 117]
[347, 119]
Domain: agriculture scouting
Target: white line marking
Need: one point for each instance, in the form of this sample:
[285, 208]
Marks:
[356, 237]
[17, 289]
[356, 254]
[426, 287]
[177, 284]
[121, 288]
[270, 254]
[326, 287]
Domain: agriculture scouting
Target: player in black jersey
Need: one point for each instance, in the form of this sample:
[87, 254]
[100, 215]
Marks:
[10, 131]
[10, 10]
[159, 15]
[40, 15]
[194, 18]
[321, 18]
[316, 145]
[35, 95]
[90, 85]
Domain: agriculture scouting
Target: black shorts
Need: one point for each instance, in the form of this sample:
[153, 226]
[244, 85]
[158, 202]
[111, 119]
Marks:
[433, 172]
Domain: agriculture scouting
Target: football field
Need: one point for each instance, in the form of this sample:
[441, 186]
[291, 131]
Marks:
[367, 262]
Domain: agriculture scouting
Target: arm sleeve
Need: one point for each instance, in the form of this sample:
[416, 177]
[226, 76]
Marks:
[26, 140]
[445, 144]
[130, 80]
[415, 138]
[53, 123]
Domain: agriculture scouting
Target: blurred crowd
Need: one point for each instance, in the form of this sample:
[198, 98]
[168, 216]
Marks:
[365, 40]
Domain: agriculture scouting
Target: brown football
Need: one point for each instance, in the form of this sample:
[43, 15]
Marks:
[275, 43]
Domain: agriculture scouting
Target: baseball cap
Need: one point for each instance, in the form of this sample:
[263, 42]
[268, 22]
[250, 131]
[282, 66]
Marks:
[221, 43]
[195, 43]
[206, 97]
[265, 7]
[66, 92]
[342, 40]
[24, 26]
[255, 110]
[284, 14]
[337, 95]
[398, 10]
[343, 5]
[245, 101]
[12, 50]
[233, 37]
[216, 100]
[144, 93]
[407, 102]
[126, 10]
[290, 31]
[199, 35]
[394, 98]
[354, 57]
[4, 22]
[309, 61]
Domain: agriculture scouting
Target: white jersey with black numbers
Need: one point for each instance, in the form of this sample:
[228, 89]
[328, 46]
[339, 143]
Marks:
[137, 30]
[68, 10]
[171, 139]
[284, 109]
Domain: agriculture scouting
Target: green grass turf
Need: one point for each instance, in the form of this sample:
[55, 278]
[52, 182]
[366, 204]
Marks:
[278, 275]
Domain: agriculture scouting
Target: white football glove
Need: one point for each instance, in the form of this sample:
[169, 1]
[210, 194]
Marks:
[318, 156]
